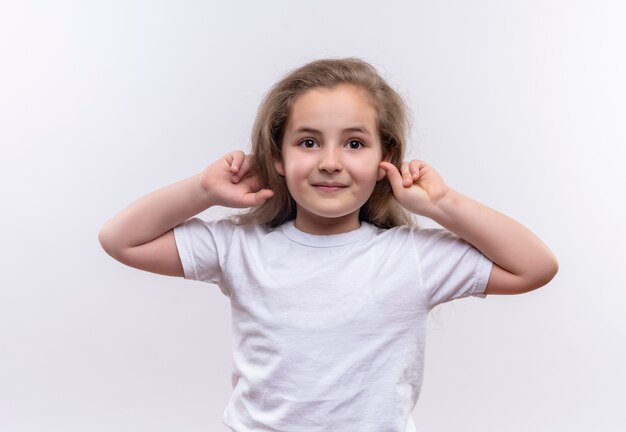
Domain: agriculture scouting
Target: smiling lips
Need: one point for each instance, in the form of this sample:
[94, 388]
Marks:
[330, 187]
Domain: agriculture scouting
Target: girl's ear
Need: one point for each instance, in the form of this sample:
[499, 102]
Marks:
[381, 172]
[280, 168]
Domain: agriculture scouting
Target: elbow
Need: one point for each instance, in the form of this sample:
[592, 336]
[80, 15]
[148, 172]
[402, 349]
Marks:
[547, 273]
[552, 269]
[555, 267]
[105, 241]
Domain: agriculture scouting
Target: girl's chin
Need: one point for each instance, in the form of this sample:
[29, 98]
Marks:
[327, 216]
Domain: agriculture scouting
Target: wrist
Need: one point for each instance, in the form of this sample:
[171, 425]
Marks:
[203, 192]
[444, 205]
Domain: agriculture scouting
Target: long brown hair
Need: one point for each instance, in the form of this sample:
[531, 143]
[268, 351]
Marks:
[381, 209]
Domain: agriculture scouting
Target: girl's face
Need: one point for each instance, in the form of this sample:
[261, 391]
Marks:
[330, 156]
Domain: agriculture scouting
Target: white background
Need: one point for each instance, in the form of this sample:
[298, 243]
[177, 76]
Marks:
[520, 105]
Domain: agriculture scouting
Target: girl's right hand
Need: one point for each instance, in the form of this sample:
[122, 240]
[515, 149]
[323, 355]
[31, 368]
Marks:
[230, 182]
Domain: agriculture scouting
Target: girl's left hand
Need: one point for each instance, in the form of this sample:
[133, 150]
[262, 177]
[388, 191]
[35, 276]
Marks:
[417, 186]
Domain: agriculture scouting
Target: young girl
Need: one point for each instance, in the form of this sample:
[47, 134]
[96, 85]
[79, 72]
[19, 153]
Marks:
[330, 280]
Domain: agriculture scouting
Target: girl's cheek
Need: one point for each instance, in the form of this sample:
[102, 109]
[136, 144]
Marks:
[293, 174]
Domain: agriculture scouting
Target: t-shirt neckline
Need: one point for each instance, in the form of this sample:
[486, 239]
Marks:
[289, 229]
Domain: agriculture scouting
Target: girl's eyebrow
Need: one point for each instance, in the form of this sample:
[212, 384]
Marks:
[307, 129]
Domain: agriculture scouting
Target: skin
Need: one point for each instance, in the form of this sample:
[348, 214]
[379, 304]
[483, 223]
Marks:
[141, 235]
[331, 155]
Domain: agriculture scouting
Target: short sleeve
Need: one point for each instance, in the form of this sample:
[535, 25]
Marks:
[203, 248]
[450, 267]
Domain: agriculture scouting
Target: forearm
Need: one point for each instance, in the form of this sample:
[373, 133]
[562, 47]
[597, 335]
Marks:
[501, 239]
[154, 214]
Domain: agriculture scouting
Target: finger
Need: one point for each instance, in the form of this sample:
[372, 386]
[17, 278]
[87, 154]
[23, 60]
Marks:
[393, 174]
[407, 180]
[235, 159]
[253, 182]
[414, 168]
[254, 199]
[246, 166]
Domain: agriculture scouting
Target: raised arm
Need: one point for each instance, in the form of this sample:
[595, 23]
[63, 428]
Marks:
[522, 262]
[141, 235]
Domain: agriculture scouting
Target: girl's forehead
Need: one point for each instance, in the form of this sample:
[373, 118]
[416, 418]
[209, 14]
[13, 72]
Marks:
[341, 107]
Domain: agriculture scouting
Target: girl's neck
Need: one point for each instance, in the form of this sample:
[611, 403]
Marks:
[314, 224]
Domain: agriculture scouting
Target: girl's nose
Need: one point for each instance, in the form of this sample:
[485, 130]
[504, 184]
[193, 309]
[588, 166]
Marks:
[330, 160]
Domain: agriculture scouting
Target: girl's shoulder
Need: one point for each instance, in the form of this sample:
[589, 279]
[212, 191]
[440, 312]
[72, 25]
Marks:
[420, 235]
[231, 224]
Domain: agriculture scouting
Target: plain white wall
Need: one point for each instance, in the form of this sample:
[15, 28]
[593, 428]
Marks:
[519, 104]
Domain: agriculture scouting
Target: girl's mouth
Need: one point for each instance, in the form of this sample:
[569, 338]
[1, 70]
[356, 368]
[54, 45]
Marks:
[325, 188]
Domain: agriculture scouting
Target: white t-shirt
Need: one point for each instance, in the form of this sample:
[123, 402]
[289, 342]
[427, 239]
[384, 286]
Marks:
[328, 331]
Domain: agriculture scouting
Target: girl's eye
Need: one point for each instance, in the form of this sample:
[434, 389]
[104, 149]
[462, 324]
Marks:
[307, 143]
[355, 144]
[352, 144]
